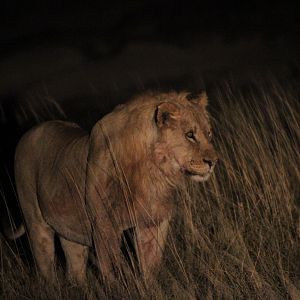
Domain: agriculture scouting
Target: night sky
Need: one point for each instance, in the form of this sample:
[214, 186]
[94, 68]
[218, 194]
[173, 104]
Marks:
[76, 51]
[89, 57]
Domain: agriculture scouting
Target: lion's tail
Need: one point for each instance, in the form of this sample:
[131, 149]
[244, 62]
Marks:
[12, 234]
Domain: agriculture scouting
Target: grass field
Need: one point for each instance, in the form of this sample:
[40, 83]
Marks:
[235, 236]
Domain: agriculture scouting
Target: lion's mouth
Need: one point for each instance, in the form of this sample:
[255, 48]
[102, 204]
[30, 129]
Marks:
[200, 177]
[190, 173]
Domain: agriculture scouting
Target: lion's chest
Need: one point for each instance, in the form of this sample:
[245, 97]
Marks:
[153, 211]
[145, 208]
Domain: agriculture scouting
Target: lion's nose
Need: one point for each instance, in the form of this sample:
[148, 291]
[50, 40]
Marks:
[210, 162]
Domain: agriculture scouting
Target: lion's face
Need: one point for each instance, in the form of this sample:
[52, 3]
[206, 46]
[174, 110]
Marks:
[184, 141]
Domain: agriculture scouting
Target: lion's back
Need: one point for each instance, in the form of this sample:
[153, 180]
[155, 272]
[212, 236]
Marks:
[42, 143]
[50, 162]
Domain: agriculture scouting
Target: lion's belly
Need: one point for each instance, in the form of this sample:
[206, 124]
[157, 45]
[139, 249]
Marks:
[62, 205]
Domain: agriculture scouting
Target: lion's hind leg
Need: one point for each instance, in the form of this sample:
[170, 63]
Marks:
[41, 235]
[76, 259]
[42, 244]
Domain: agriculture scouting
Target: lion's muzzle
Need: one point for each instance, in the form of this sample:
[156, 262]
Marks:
[201, 169]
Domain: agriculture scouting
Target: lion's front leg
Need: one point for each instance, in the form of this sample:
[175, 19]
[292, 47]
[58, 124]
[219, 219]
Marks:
[150, 246]
[107, 247]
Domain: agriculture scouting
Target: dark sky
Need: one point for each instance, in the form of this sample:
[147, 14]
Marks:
[25, 23]
[79, 50]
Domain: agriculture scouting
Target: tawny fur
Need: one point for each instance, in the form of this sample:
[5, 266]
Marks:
[89, 188]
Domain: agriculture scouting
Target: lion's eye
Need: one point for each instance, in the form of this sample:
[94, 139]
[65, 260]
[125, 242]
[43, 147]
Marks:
[209, 134]
[190, 135]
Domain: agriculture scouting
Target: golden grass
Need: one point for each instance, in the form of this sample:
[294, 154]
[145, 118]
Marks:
[235, 236]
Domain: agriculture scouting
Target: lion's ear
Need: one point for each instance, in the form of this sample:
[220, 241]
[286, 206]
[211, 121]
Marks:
[166, 114]
[198, 99]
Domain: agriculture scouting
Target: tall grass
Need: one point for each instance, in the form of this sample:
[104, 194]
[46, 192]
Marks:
[235, 236]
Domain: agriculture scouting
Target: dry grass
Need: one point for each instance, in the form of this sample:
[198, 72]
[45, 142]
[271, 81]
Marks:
[235, 236]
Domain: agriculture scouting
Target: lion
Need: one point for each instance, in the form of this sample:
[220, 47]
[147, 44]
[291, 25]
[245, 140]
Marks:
[88, 189]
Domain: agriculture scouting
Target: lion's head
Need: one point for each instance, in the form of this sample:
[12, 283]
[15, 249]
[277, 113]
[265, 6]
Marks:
[183, 144]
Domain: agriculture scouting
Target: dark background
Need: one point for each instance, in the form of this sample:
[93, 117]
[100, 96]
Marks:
[107, 51]
[88, 57]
